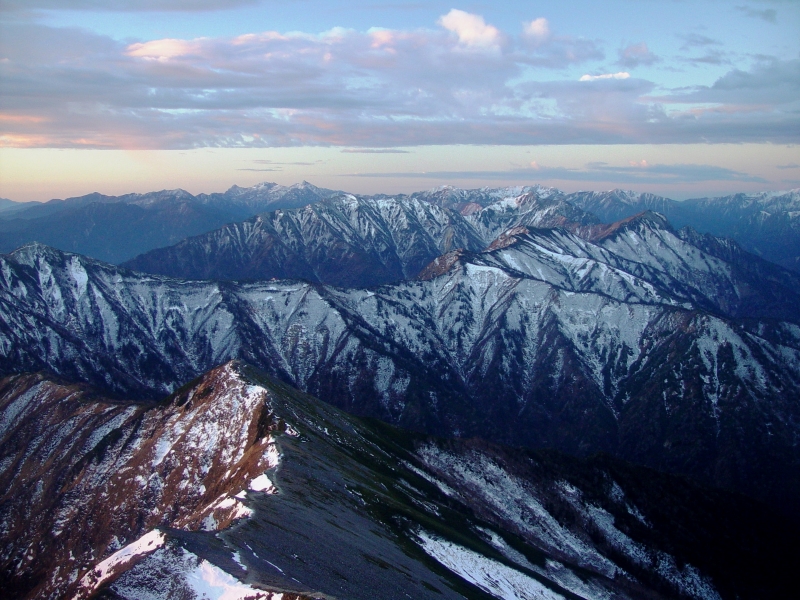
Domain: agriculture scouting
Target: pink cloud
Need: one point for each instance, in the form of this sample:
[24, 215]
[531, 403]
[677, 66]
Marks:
[472, 30]
[390, 88]
[636, 55]
[538, 30]
[165, 49]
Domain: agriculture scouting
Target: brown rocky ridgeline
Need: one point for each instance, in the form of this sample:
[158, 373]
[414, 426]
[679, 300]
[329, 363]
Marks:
[83, 476]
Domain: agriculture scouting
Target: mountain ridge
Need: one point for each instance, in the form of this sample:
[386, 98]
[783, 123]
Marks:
[580, 357]
[117, 228]
[356, 509]
[764, 223]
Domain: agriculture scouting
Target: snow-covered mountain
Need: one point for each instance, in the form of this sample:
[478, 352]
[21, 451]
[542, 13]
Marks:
[344, 241]
[266, 196]
[354, 241]
[767, 223]
[239, 487]
[641, 343]
[614, 205]
[116, 228]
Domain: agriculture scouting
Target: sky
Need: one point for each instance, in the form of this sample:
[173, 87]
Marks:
[679, 98]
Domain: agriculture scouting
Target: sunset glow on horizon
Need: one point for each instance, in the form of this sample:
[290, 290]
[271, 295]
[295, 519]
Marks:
[666, 97]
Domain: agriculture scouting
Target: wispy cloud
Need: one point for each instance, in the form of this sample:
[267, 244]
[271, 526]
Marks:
[462, 82]
[593, 172]
[636, 55]
[620, 75]
[768, 14]
[272, 162]
[788, 166]
[711, 57]
[374, 151]
[697, 40]
[128, 5]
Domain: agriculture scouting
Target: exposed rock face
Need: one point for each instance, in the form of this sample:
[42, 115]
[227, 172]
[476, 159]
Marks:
[347, 508]
[83, 477]
[640, 344]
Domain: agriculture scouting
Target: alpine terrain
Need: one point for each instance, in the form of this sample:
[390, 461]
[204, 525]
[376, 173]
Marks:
[495, 393]
[117, 228]
[237, 486]
[767, 224]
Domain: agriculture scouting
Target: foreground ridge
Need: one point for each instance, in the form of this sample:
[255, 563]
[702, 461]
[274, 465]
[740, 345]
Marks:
[332, 506]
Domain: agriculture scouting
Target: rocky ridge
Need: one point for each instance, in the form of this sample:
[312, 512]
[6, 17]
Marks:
[351, 241]
[640, 344]
[346, 508]
[83, 476]
[766, 224]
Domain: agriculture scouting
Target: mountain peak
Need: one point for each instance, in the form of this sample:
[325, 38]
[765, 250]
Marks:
[647, 219]
[33, 250]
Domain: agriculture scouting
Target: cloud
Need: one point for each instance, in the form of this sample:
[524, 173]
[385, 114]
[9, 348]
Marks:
[128, 5]
[713, 54]
[372, 91]
[788, 166]
[696, 40]
[542, 48]
[164, 49]
[636, 55]
[620, 75]
[768, 83]
[472, 30]
[712, 57]
[374, 151]
[272, 162]
[537, 30]
[655, 174]
[768, 14]
[676, 173]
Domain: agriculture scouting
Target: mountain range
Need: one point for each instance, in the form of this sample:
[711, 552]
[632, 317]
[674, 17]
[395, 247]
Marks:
[766, 224]
[291, 498]
[350, 241]
[117, 228]
[668, 348]
[587, 409]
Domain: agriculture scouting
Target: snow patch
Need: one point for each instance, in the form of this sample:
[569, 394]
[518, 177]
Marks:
[262, 483]
[119, 560]
[175, 572]
[489, 575]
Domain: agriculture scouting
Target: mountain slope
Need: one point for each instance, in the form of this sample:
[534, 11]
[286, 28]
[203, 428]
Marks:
[346, 508]
[8, 207]
[342, 241]
[81, 475]
[356, 241]
[766, 224]
[116, 228]
[528, 344]
[614, 205]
